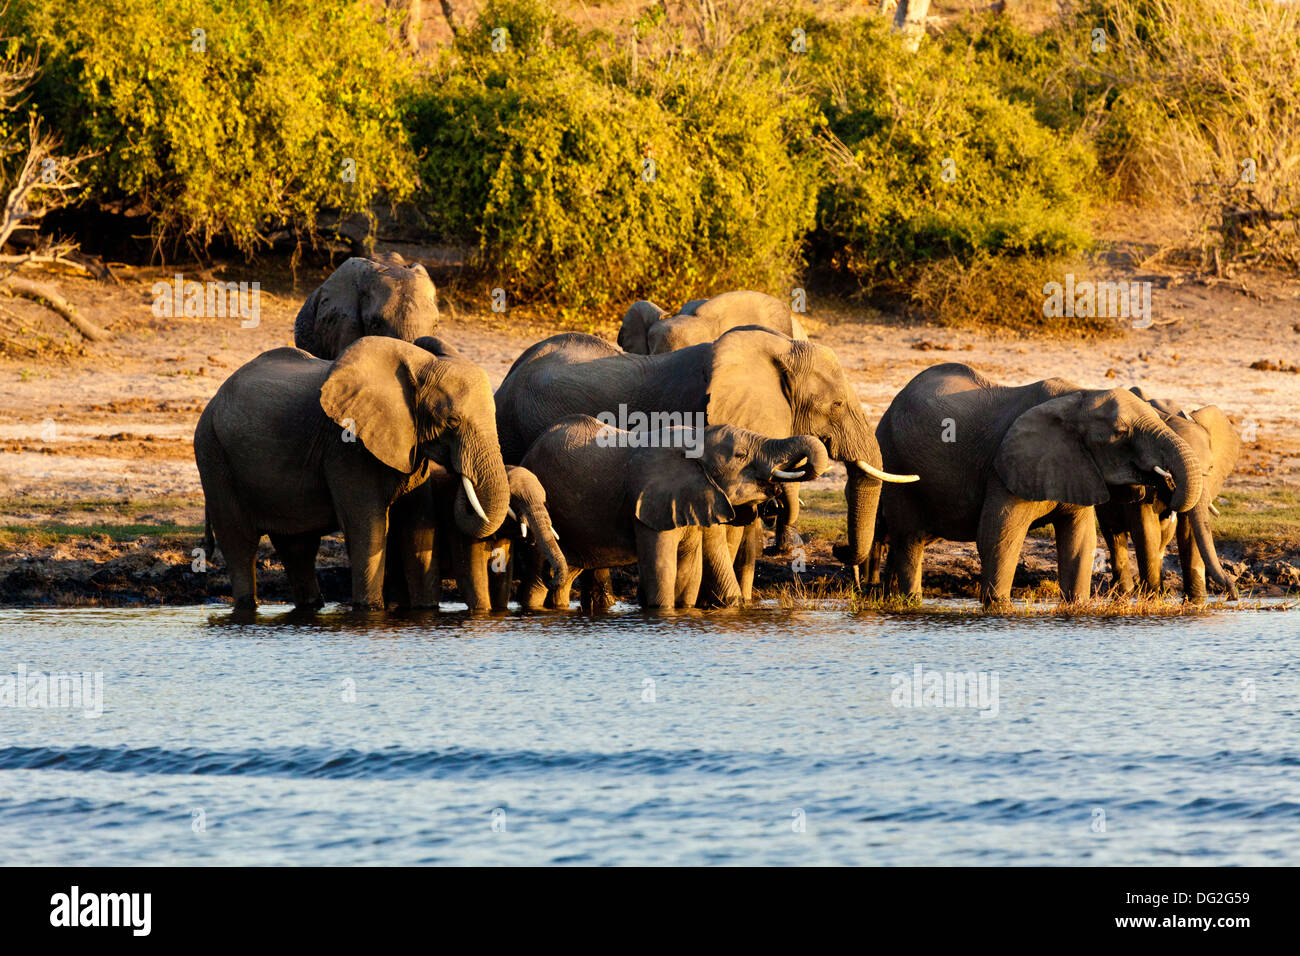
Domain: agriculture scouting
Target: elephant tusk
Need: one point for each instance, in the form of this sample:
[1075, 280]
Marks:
[884, 475]
[473, 498]
[511, 512]
[1213, 510]
[787, 475]
[555, 534]
[523, 529]
[1160, 471]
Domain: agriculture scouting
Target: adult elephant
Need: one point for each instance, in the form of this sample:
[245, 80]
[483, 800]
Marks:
[751, 378]
[1143, 511]
[659, 499]
[996, 460]
[367, 296]
[294, 446]
[650, 330]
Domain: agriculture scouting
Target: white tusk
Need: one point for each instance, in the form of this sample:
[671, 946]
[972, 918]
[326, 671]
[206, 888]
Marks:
[1161, 472]
[787, 475]
[555, 534]
[523, 529]
[473, 498]
[884, 475]
[1214, 511]
[511, 512]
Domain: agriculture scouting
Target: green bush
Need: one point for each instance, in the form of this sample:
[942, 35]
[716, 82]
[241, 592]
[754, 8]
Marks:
[582, 184]
[932, 161]
[250, 132]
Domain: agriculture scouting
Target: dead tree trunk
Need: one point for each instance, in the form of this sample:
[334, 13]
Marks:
[910, 21]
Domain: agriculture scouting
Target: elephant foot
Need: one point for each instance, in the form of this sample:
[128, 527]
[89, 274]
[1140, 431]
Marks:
[246, 603]
[787, 542]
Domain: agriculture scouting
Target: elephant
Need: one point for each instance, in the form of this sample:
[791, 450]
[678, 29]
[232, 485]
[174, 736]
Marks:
[1143, 512]
[377, 296]
[996, 460]
[755, 379]
[296, 447]
[484, 567]
[649, 330]
[659, 499]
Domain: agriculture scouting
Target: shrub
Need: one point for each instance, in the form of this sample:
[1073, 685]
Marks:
[228, 132]
[593, 183]
[930, 161]
[1194, 97]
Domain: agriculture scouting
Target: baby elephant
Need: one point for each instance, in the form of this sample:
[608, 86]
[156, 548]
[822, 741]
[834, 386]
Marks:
[659, 499]
[484, 567]
[297, 447]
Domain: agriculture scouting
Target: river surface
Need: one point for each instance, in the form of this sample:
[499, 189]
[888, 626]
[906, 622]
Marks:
[763, 736]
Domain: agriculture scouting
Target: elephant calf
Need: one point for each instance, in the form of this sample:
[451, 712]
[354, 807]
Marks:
[1143, 511]
[367, 296]
[659, 499]
[484, 567]
[295, 446]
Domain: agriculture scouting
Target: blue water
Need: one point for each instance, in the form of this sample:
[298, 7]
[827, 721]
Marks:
[772, 737]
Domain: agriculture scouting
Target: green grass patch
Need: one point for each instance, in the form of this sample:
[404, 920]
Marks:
[1251, 518]
[48, 533]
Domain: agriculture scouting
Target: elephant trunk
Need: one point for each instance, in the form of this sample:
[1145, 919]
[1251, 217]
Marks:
[801, 458]
[1199, 518]
[554, 569]
[862, 494]
[1184, 469]
[483, 482]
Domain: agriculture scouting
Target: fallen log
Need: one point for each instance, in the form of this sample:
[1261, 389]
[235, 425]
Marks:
[56, 303]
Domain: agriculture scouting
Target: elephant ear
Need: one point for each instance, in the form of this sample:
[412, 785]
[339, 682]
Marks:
[371, 389]
[749, 382]
[1164, 406]
[1042, 457]
[677, 492]
[1225, 444]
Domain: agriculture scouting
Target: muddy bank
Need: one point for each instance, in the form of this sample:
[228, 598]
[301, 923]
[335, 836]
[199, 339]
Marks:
[97, 571]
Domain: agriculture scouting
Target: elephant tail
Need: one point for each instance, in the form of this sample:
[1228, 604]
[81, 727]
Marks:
[209, 542]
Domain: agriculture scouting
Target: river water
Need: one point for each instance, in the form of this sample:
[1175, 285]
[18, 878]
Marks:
[759, 736]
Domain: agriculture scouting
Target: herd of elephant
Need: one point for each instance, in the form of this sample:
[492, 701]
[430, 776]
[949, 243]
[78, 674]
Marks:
[377, 427]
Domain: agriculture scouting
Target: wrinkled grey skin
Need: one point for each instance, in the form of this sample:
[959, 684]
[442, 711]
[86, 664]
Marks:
[751, 378]
[649, 330]
[295, 446]
[484, 567]
[1143, 512]
[658, 506]
[367, 296]
[1018, 457]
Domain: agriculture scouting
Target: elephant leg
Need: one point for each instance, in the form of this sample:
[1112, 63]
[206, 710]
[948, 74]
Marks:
[413, 541]
[472, 574]
[597, 590]
[365, 529]
[903, 566]
[1004, 522]
[876, 563]
[656, 557]
[1076, 544]
[240, 550]
[298, 554]
[501, 573]
[690, 570]
[751, 546]
[787, 522]
[1145, 525]
[1121, 573]
[560, 596]
[718, 584]
[1191, 562]
[532, 589]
